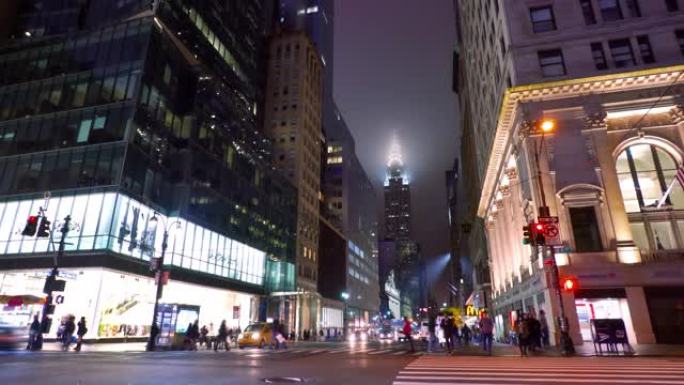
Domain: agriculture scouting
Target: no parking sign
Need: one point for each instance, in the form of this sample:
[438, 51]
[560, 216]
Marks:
[551, 230]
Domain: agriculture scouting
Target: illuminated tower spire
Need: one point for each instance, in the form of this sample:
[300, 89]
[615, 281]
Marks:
[394, 159]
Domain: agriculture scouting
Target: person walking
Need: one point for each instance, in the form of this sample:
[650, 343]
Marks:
[204, 337]
[486, 332]
[522, 329]
[448, 328]
[221, 337]
[152, 342]
[34, 332]
[465, 334]
[535, 339]
[68, 333]
[544, 327]
[407, 333]
[275, 327]
[81, 330]
[432, 327]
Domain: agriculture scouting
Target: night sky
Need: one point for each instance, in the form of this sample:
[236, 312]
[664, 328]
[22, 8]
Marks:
[393, 76]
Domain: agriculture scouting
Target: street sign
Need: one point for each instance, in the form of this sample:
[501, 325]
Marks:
[551, 231]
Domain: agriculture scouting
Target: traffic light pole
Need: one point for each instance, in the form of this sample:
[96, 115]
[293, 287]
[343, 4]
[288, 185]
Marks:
[45, 322]
[151, 344]
[566, 345]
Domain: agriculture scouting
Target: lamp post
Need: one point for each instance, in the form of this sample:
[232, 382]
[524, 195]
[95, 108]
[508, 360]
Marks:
[566, 345]
[345, 297]
[158, 274]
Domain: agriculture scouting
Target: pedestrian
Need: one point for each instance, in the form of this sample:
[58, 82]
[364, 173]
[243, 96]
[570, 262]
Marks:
[432, 327]
[194, 335]
[275, 327]
[407, 333]
[544, 327]
[522, 329]
[34, 333]
[68, 332]
[81, 330]
[221, 338]
[465, 333]
[281, 336]
[535, 339]
[446, 330]
[486, 332]
[204, 337]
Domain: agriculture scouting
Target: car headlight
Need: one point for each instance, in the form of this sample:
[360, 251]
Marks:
[241, 336]
[364, 336]
[352, 337]
[256, 336]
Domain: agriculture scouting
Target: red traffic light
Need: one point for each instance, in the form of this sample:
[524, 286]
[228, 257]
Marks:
[32, 219]
[538, 227]
[569, 284]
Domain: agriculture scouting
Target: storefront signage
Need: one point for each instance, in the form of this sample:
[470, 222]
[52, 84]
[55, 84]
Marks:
[473, 311]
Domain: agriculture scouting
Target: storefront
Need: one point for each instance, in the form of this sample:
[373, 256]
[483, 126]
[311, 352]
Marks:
[118, 304]
[602, 304]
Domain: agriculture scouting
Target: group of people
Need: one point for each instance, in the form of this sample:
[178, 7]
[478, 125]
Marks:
[453, 335]
[532, 334]
[65, 333]
[203, 337]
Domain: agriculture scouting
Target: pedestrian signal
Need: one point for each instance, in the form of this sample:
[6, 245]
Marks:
[44, 228]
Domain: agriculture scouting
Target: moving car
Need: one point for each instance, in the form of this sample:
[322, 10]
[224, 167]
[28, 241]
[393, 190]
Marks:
[387, 334]
[256, 334]
[11, 336]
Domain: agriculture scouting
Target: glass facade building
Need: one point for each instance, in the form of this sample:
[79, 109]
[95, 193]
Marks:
[134, 107]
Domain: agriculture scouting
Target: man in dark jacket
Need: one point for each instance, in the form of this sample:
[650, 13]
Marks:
[80, 332]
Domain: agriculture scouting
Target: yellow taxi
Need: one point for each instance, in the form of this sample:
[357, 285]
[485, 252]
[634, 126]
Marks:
[256, 334]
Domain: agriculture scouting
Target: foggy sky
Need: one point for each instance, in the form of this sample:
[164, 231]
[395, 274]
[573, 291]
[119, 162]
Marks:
[393, 75]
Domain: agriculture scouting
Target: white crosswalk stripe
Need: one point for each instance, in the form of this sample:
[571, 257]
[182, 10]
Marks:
[505, 370]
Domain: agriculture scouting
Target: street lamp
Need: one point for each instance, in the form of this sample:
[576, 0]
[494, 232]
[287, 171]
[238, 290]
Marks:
[158, 273]
[345, 296]
[546, 126]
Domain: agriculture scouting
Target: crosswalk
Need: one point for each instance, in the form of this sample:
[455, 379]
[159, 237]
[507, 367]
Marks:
[545, 370]
[349, 351]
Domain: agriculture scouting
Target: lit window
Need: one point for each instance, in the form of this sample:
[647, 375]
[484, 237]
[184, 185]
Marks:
[621, 50]
[542, 19]
[313, 9]
[551, 62]
[643, 173]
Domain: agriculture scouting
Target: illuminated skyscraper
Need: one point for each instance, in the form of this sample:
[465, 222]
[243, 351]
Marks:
[397, 197]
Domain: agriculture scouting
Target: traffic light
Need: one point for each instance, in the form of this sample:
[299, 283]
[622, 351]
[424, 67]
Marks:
[539, 239]
[31, 226]
[569, 284]
[44, 228]
[528, 239]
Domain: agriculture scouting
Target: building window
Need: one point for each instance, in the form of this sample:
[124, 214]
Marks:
[645, 49]
[585, 229]
[644, 172]
[551, 62]
[679, 34]
[588, 12]
[542, 19]
[621, 50]
[633, 8]
[672, 5]
[599, 56]
[610, 10]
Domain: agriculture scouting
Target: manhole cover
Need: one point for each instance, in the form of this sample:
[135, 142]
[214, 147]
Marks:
[283, 380]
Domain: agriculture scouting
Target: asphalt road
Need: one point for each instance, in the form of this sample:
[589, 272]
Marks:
[331, 364]
[337, 365]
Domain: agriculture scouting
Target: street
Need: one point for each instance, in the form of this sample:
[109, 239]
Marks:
[333, 364]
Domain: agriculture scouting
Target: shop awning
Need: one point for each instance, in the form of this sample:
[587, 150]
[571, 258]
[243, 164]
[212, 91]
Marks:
[19, 300]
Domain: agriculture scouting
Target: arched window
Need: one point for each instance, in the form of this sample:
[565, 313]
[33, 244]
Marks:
[645, 171]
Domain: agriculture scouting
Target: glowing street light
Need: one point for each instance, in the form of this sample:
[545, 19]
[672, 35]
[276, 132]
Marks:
[547, 125]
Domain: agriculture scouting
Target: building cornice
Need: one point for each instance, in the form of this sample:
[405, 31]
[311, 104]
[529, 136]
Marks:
[509, 111]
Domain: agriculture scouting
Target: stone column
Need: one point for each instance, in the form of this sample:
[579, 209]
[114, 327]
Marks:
[627, 250]
[638, 310]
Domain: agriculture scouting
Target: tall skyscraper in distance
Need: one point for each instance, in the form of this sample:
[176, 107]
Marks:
[397, 197]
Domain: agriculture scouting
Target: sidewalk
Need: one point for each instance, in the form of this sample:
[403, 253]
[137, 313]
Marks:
[584, 350]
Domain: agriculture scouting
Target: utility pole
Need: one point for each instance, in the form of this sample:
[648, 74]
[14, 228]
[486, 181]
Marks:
[566, 345]
[51, 281]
